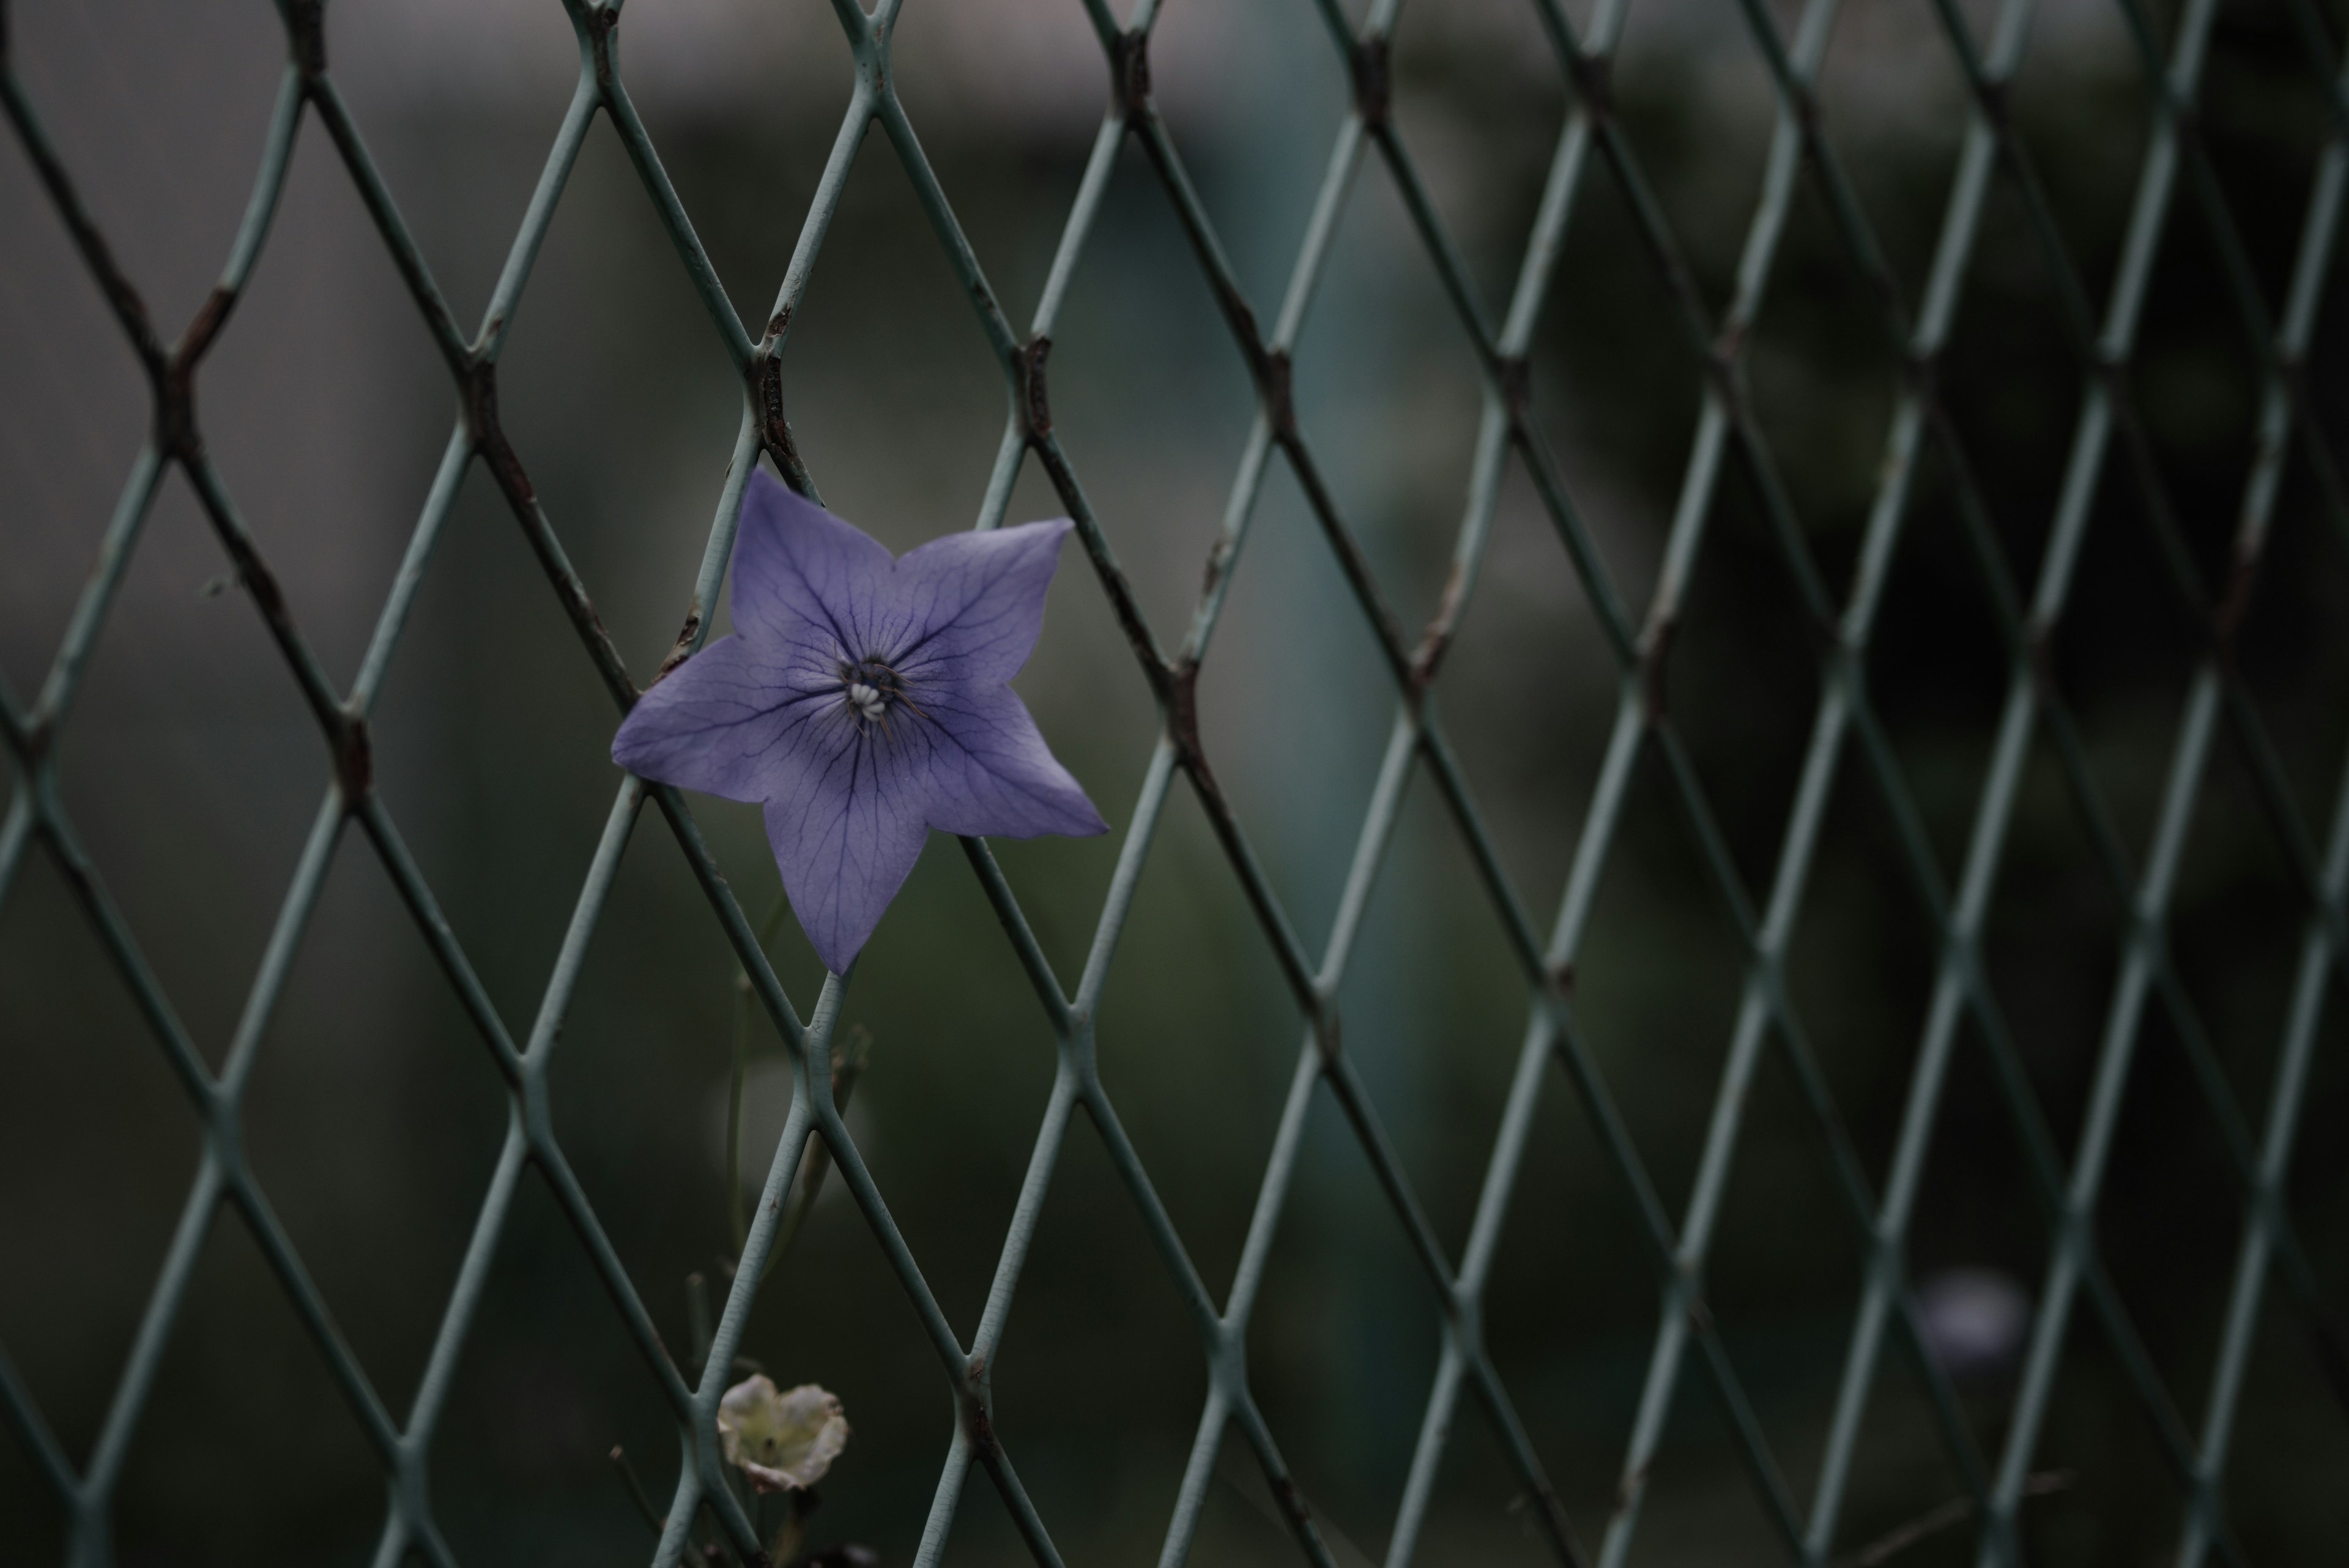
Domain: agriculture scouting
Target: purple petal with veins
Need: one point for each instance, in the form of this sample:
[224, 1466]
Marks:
[863, 701]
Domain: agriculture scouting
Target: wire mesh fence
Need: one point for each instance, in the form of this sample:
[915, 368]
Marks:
[1731, 461]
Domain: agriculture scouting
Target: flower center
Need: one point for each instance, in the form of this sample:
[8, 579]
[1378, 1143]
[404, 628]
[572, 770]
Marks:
[869, 687]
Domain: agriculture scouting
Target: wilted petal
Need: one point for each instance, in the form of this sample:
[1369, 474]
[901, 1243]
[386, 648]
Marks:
[846, 829]
[718, 723]
[987, 771]
[797, 566]
[975, 602]
[783, 1442]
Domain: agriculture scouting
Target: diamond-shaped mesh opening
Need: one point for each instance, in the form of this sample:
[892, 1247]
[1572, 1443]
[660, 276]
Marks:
[2114, 468]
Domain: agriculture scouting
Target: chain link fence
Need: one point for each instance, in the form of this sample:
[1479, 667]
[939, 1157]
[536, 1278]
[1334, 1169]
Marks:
[1926, 461]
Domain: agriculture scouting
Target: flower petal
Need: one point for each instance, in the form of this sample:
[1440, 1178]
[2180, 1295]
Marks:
[718, 723]
[975, 602]
[746, 1414]
[783, 1442]
[846, 826]
[796, 565]
[812, 1432]
[984, 768]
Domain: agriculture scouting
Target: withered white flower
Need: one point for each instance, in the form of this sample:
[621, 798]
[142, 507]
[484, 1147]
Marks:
[783, 1442]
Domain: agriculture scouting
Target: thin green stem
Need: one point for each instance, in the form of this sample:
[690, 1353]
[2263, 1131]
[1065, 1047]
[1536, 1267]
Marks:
[792, 1535]
[848, 1066]
[635, 1489]
[737, 1212]
[696, 1313]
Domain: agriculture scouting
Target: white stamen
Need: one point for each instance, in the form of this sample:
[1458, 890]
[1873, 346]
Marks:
[868, 701]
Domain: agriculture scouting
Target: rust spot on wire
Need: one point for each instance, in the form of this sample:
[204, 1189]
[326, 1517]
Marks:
[1182, 720]
[1654, 648]
[1374, 78]
[354, 761]
[1183, 711]
[1275, 379]
[205, 326]
[766, 377]
[976, 1422]
[1436, 641]
[982, 1430]
[481, 396]
[306, 35]
[175, 407]
[1329, 1034]
[261, 583]
[1219, 566]
[1035, 406]
[1432, 647]
[1293, 1506]
[480, 393]
[1113, 578]
[679, 653]
[601, 22]
[1594, 82]
[128, 309]
[767, 395]
[1129, 72]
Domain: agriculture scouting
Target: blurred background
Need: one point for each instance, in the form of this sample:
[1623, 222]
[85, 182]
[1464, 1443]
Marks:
[193, 772]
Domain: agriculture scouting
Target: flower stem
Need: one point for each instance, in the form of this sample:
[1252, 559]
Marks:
[697, 1318]
[635, 1488]
[846, 1068]
[790, 1535]
[735, 1209]
[737, 1204]
[1955, 1511]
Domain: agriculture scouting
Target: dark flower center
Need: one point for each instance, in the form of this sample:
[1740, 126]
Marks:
[870, 688]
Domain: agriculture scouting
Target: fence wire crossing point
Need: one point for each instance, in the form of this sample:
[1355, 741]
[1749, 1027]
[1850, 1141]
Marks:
[1800, 152]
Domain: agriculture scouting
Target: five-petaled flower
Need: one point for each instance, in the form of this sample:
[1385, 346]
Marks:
[862, 701]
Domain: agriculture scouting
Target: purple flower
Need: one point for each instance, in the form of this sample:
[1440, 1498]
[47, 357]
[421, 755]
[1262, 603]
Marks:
[862, 701]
